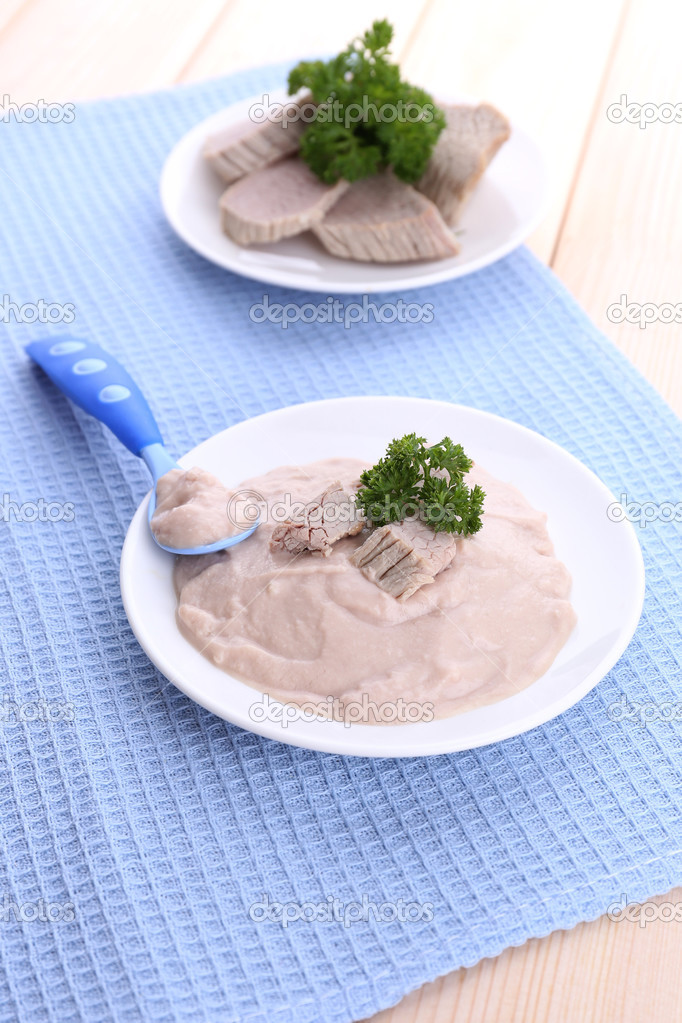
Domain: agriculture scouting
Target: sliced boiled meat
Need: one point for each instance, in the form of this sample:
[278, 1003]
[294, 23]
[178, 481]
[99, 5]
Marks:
[380, 219]
[328, 518]
[276, 202]
[244, 147]
[403, 556]
[465, 147]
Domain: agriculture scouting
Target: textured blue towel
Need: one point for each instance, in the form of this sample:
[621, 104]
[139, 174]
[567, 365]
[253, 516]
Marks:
[147, 826]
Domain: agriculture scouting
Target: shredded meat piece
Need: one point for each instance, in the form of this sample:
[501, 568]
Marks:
[325, 520]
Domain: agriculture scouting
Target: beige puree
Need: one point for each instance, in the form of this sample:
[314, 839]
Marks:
[306, 627]
[191, 509]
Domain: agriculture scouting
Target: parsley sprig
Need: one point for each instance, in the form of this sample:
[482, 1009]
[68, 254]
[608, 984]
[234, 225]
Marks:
[339, 144]
[415, 480]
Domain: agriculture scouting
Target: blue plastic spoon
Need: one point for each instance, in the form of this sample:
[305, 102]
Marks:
[96, 382]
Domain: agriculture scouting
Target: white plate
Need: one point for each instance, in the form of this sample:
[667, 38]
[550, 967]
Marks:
[506, 206]
[603, 557]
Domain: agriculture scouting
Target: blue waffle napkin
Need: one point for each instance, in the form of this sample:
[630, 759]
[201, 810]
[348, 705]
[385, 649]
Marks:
[137, 830]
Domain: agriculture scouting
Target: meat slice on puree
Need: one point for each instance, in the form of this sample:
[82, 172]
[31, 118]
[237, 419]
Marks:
[401, 557]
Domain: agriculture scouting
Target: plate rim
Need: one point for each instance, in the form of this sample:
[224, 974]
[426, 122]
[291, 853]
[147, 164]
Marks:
[328, 741]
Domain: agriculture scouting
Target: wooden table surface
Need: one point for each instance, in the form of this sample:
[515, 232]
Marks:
[614, 229]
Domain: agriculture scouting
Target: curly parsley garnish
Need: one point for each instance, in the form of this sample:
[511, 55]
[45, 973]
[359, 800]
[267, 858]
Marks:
[415, 480]
[367, 117]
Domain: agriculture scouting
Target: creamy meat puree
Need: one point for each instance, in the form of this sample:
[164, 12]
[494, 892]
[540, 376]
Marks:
[191, 509]
[306, 627]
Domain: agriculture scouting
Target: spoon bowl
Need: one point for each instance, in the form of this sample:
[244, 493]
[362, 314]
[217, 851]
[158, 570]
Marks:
[159, 462]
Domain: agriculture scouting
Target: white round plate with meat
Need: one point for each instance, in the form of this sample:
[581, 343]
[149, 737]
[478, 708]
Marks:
[591, 557]
[505, 207]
